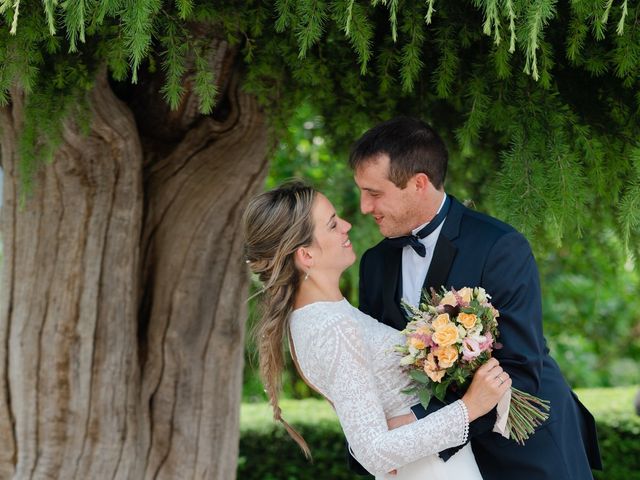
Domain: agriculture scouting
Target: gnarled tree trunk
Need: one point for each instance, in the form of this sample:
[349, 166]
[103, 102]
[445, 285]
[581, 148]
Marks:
[123, 290]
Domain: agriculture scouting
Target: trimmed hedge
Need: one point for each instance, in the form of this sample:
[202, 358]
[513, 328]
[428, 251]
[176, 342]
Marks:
[618, 431]
[267, 452]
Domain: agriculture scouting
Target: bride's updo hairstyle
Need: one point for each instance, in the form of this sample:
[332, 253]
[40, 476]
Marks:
[276, 223]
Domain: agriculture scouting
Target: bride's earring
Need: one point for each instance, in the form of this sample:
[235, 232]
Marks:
[306, 275]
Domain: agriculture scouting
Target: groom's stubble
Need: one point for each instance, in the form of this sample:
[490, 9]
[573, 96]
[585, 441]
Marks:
[397, 211]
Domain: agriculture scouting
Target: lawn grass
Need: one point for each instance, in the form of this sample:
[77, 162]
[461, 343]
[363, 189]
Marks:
[264, 444]
[601, 402]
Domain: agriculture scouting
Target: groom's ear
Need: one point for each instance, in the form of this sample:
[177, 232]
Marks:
[422, 181]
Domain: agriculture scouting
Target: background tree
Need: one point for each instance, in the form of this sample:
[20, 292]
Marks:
[133, 133]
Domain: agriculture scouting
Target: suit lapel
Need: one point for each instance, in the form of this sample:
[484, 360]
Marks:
[443, 255]
[445, 250]
[393, 315]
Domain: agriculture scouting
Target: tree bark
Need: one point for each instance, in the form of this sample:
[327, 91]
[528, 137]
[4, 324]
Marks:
[123, 301]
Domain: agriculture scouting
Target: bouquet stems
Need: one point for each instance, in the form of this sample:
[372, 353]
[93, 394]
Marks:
[526, 413]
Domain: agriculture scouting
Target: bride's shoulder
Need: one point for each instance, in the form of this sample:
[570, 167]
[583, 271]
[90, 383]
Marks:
[325, 316]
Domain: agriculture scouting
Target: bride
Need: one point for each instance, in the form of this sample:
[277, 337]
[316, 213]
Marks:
[299, 247]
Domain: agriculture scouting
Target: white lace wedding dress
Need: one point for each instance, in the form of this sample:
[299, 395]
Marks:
[348, 356]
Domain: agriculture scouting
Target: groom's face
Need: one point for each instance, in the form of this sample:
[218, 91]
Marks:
[394, 209]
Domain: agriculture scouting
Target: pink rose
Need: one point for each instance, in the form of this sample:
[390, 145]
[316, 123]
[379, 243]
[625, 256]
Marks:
[470, 349]
[488, 343]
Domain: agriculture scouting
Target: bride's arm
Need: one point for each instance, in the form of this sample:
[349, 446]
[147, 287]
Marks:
[350, 385]
[400, 420]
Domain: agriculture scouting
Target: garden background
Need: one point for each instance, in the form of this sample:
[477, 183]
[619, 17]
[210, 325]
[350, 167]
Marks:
[591, 304]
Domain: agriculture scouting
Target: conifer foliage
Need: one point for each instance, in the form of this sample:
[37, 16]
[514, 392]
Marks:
[547, 90]
[138, 308]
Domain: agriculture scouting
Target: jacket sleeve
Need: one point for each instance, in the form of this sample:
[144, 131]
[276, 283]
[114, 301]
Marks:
[511, 278]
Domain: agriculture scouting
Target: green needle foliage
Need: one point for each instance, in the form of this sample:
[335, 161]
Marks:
[538, 100]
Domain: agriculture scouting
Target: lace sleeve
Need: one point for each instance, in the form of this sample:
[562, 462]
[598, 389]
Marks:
[349, 383]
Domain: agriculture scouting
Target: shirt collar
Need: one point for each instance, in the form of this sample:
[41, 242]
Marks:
[416, 230]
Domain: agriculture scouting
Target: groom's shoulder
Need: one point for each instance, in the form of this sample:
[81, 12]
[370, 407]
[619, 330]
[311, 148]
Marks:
[482, 224]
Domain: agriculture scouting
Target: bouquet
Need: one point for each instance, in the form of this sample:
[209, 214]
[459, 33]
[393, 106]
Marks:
[447, 338]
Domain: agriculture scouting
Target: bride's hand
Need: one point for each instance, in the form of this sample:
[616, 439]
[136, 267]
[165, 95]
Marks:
[490, 382]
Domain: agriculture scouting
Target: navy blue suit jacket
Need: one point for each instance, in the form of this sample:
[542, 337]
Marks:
[475, 250]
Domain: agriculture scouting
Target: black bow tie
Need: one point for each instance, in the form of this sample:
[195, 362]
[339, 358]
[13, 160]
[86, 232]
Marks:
[413, 241]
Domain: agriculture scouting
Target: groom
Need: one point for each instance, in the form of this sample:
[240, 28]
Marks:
[400, 167]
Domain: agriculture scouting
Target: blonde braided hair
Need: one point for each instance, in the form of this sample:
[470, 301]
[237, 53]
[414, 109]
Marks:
[277, 223]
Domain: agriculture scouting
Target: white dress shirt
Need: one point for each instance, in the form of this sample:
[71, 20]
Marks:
[415, 267]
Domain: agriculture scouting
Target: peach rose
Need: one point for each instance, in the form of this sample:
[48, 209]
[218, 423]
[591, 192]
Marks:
[432, 370]
[466, 293]
[430, 362]
[441, 320]
[449, 299]
[447, 335]
[436, 375]
[468, 320]
[447, 356]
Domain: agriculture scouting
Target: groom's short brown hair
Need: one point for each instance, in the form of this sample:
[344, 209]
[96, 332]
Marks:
[412, 146]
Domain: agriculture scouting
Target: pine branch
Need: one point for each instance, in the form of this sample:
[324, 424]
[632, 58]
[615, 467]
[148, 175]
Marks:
[74, 20]
[430, 10]
[285, 14]
[629, 213]
[539, 14]
[476, 115]
[347, 23]
[173, 63]
[361, 36]
[393, 19]
[491, 18]
[312, 16]
[600, 22]
[50, 8]
[620, 28]
[410, 60]
[105, 8]
[386, 64]
[593, 152]
[626, 56]
[138, 26]
[447, 67]
[501, 56]
[576, 38]
[185, 8]
[16, 14]
[204, 82]
[517, 194]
